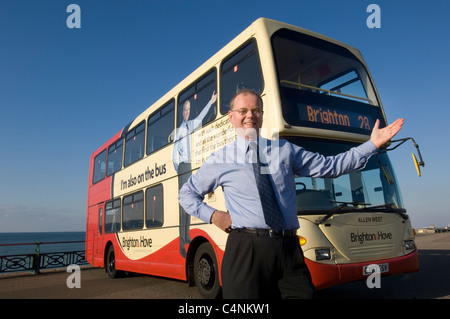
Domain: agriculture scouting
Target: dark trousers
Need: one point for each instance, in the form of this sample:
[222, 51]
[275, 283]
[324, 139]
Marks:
[256, 267]
[184, 172]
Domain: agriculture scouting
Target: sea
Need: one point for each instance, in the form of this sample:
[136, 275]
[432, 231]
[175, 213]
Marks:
[61, 242]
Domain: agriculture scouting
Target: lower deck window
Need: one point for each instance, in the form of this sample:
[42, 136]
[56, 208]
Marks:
[133, 211]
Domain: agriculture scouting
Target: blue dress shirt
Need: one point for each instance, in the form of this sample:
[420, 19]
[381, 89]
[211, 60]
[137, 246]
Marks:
[231, 168]
[182, 149]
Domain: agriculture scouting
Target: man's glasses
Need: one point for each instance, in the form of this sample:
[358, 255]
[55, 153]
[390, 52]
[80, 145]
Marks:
[255, 112]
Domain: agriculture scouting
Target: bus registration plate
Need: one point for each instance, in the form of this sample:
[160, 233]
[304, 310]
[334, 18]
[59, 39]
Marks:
[370, 269]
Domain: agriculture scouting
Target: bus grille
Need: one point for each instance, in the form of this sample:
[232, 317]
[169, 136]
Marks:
[366, 251]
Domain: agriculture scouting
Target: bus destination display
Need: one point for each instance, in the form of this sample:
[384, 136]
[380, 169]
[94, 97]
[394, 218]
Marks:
[334, 116]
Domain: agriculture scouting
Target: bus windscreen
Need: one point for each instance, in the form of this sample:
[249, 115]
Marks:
[323, 85]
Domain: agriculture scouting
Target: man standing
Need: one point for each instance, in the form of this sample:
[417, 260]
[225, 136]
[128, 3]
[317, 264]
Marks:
[181, 158]
[263, 257]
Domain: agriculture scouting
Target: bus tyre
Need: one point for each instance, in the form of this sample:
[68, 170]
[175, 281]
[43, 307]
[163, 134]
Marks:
[206, 273]
[110, 263]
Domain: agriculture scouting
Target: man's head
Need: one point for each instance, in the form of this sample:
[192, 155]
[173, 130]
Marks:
[246, 110]
[186, 110]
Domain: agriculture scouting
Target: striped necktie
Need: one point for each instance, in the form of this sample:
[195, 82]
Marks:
[272, 213]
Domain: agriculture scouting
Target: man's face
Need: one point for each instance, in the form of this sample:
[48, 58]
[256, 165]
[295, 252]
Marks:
[246, 115]
[186, 110]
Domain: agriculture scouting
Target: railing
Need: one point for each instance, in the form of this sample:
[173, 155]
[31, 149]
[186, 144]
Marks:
[37, 261]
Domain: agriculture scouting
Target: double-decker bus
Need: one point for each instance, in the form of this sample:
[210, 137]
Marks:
[318, 93]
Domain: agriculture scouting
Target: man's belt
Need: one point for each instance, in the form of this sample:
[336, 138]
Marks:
[267, 232]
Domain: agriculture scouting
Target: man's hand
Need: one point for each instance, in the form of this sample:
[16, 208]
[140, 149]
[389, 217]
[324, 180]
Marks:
[213, 97]
[380, 136]
[222, 220]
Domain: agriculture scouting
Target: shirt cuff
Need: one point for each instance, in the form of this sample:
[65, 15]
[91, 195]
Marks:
[205, 213]
[368, 148]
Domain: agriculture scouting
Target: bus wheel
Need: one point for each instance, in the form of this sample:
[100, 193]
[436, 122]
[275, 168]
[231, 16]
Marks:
[206, 274]
[110, 263]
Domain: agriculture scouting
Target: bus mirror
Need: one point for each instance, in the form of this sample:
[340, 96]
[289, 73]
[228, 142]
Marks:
[416, 164]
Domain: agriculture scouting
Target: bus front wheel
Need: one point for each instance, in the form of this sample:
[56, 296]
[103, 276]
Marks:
[206, 274]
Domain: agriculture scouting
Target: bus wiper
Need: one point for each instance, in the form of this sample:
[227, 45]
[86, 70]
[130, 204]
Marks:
[378, 207]
[387, 208]
[345, 204]
[340, 207]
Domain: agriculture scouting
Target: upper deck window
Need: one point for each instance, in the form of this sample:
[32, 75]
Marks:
[314, 65]
[160, 127]
[194, 103]
[323, 85]
[134, 144]
[99, 167]
[115, 154]
[240, 70]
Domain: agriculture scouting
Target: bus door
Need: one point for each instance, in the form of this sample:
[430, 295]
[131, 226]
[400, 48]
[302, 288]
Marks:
[98, 234]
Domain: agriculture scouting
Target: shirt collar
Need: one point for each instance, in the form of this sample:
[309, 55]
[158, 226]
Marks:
[243, 143]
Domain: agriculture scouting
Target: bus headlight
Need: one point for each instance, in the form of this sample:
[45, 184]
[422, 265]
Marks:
[323, 254]
[409, 244]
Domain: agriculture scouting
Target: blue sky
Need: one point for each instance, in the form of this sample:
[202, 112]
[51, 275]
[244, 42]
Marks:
[64, 92]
